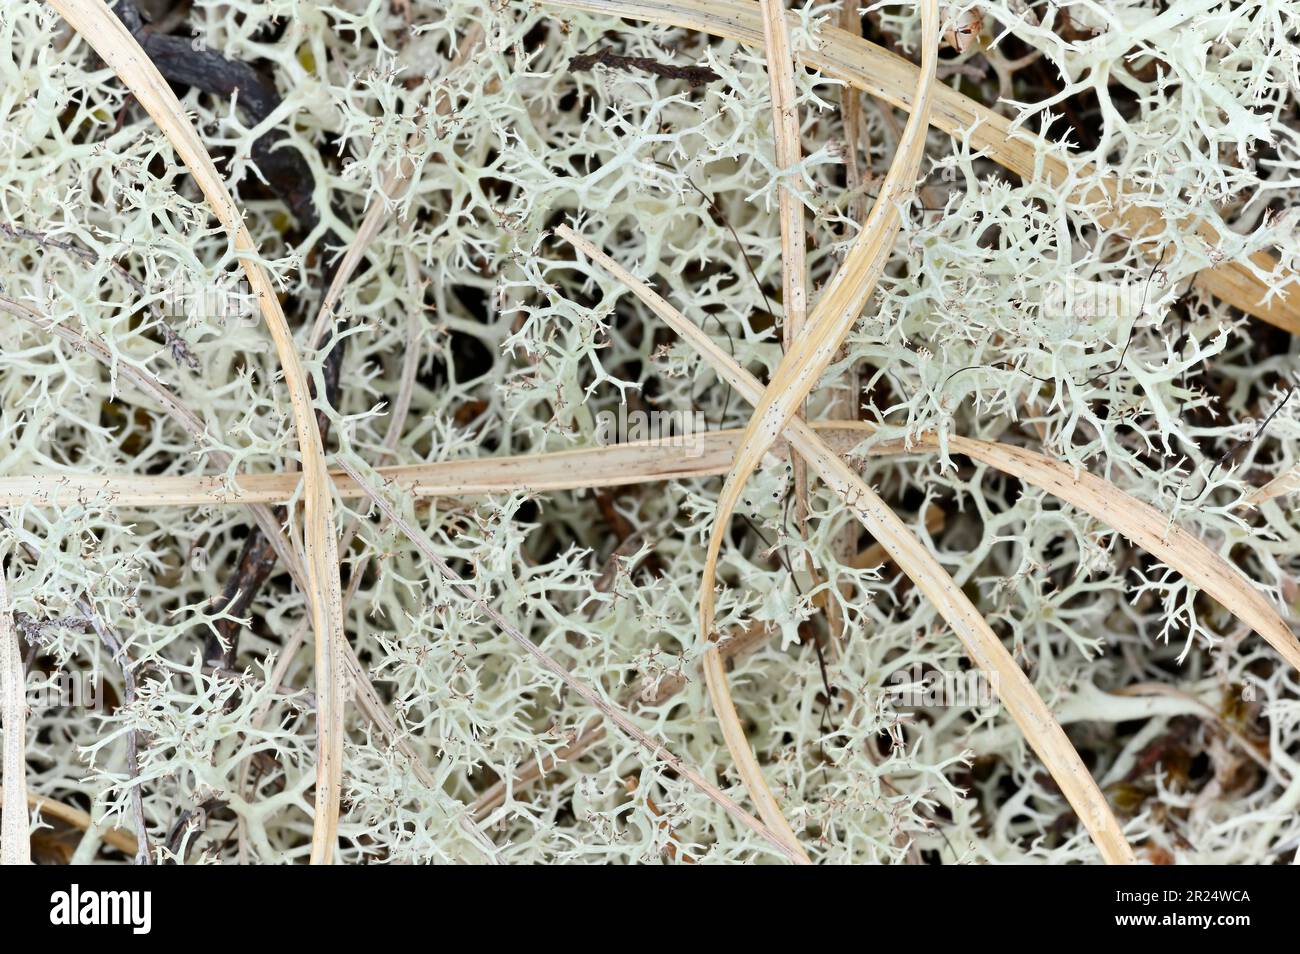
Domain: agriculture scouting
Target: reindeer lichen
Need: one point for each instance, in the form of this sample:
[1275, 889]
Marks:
[1010, 310]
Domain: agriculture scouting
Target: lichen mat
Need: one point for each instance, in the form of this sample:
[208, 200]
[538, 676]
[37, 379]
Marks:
[370, 381]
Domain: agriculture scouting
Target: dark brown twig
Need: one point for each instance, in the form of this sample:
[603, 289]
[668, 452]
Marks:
[287, 174]
[694, 76]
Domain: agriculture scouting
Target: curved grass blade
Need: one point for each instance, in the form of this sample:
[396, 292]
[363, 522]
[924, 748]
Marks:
[15, 845]
[797, 374]
[1284, 483]
[1043, 733]
[891, 78]
[107, 35]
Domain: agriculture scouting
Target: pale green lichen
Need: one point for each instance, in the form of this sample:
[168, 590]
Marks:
[521, 350]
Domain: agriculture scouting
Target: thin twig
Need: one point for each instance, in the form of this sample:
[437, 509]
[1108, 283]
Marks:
[694, 75]
[177, 345]
[1237, 445]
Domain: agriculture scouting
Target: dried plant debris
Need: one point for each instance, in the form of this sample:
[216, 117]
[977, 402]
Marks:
[1067, 408]
[693, 75]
